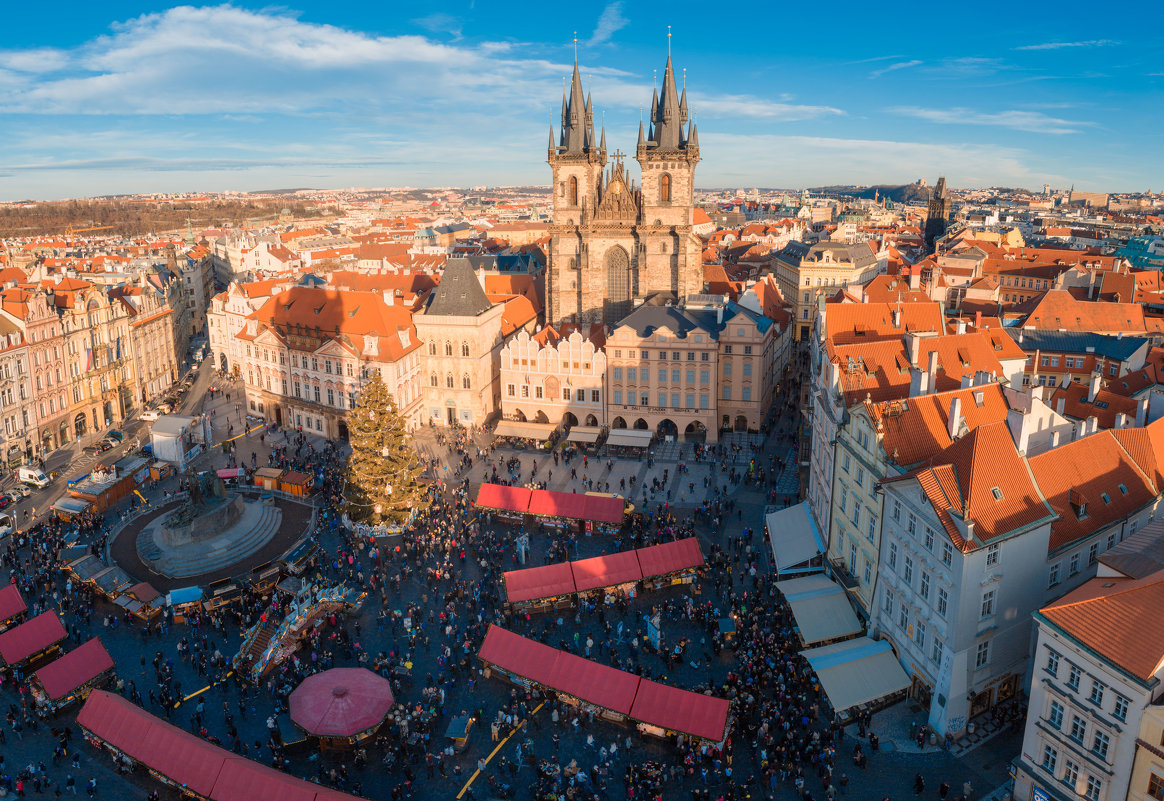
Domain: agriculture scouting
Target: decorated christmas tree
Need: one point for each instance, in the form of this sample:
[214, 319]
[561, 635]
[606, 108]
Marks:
[383, 475]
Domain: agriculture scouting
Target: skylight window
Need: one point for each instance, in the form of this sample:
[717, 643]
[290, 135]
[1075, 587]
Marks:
[1106, 497]
[1123, 490]
[997, 493]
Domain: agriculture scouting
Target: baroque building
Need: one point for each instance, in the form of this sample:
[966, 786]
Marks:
[612, 243]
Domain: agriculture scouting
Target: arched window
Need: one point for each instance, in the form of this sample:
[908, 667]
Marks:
[449, 381]
[432, 349]
[432, 380]
[665, 189]
[465, 381]
[448, 348]
[464, 348]
[572, 191]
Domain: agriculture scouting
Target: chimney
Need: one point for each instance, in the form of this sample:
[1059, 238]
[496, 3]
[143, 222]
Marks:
[913, 344]
[1020, 338]
[389, 297]
[1062, 403]
[1092, 424]
[966, 382]
[1055, 438]
[897, 318]
[932, 372]
[1121, 420]
[1093, 387]
[914, 278]
[978, 322]
[955, 420]
[1142, 413]
[961, 326]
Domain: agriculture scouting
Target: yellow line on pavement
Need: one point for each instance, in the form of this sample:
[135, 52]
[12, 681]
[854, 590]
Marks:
[229, 673]
[500, 745]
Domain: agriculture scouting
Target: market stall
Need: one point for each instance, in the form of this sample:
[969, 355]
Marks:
[12, 606]
[663, 710]
[184, 602]
[539, 589]
[628, 441]
[296, 483]
[71, 677]
[670, 563]
[796, 542]
[578, 512]
[585, 437]
[342, 706]
[32, 641]
[608, 577]
[513, 432]
[821, 609]
[268, 478]
[507, 503]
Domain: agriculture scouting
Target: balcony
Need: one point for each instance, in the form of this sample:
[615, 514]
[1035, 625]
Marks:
[841, 573]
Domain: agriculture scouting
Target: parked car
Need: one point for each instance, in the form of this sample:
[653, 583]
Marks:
[115, 435]
[33, 476]
[14, 495]
[149, 415]
[20, 490]
[5, 501]
[98, 447]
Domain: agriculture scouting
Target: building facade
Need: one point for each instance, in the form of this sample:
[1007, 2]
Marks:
[553, 383]
[612, 244]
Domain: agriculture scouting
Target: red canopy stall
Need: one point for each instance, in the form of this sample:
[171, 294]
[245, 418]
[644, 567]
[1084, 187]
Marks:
[509, 503]
[31, 639]
[539, 588]
[669, 709]
[11, 605]
[669, 563]
[616, 572]
[346, 704]
[70, 677]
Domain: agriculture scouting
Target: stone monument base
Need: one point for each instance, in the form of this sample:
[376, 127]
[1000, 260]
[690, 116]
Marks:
[227, 533]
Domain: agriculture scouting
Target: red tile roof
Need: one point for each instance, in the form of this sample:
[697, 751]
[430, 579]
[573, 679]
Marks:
[865, 322]
[916, 429]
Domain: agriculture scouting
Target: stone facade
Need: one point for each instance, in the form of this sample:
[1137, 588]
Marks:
[553, 383]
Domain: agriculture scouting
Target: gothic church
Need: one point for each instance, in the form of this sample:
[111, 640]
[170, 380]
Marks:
[612, 243]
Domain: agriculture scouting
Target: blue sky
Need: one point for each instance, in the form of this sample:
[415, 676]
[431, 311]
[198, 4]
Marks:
[121, 96]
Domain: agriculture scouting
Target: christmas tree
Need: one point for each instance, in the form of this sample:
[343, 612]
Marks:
[383, 474]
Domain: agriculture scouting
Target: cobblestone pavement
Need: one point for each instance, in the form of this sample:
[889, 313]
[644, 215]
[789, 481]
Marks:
[889, 772]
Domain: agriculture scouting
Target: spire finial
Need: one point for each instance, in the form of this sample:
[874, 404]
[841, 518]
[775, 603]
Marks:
[684, 78]
[575, 47]
[668, 41]
[655, 78]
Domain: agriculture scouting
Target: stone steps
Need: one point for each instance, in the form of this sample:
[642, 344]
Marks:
[209, 559]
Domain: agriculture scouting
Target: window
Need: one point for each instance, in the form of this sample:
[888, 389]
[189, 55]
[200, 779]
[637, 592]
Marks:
[929, 539]
[982, 657]
[690, 376]
[893, 556]
[1096, 696]
[662, 399]
[465, 383]
[888, 603]
[617, 373]
[1121, 708]
[1073, 677]
[936, 653]
[747, 350]
[618, 396]
[704, 401]
[1050, 757]
[1156, 787]
[947, 554]
[911, 526]
[464, 348]
[747, 394]
[845, 463]
[1070, 773]
[330, 397]
[860, 476]
[903, 617]
[1074, 564]
[690, 398]
[919, 633]
[327, 365]
[727, 392]
[703, 357]
[943, 601]
[449, 384]
[1099, 744]
[908, 574]
[992, 556]
[664, 189]
[868, 571]
[1053, 576]
[316, 393]
[1094, 788]
[1055, 717]
[704, 376]
[727, 369]
[690, 355]
[1052, 663]
[595, 395]
[1078, 728]
[987, 603]
[925, 585]
[897, 510]
[872, 528]
[853, 556]
[644, 355]
[1092, 553]
[747, 369]
[632, 374]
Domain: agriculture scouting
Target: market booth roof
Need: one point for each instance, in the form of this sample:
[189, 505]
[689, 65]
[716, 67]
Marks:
[586, 434]
[606, 571]
[513, 428]
[821, 608]
[30, 637]
[793, 536]
[681, 710]
[341, 702]
[519, 655]
[61, 676]
[604, 508]
[533, 583]
[594, 683]
[630, 437]
[558, 504]
[507, 499]
[856, 671]
[670, 557]
[11, 602]
[244, 780]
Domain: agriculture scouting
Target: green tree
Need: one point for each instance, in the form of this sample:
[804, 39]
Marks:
[383, 475]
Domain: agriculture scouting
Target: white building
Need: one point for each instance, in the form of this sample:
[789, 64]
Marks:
[560, 380]
[1097, 668]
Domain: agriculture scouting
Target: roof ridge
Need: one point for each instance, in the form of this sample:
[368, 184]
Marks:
[1147, 582]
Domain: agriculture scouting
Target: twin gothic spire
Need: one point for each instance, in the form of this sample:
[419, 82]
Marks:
[669, 125]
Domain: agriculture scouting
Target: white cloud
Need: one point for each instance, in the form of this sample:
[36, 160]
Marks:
[755, 107]
[35, 60]
[1062, 45]
[610, 22]
[1016, 119]
[901, 65]
[441, 23]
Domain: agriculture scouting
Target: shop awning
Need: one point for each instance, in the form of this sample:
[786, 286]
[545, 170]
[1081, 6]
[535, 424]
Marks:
[857, 671]
[595, 683]
[512, 428]
[61, 676]
[71, 506]
[585, 434]
[681, 710]
[184, 595]
[534, 583]
[606, 571]
[506, 499]
[794, 537]
[11, 603]
[629, 437]
[231, 472]
[31, 637]
[821, 608]
[548, 503]
[519, 655]
[670, 557]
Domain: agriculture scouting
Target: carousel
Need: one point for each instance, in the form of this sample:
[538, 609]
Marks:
[341, 707]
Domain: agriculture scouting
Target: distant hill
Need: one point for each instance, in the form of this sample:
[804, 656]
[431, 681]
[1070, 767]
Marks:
[908, 193]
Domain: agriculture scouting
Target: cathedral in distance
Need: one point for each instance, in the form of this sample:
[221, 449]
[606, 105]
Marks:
[612, 242]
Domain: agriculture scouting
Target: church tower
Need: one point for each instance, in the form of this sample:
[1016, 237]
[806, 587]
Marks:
[937, 214]
[612, 244]
[667, 155]
[577, 161]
